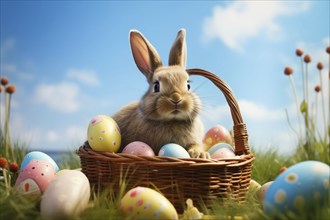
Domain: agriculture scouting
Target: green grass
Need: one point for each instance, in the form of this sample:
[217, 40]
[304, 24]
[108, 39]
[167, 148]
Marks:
[104, 205]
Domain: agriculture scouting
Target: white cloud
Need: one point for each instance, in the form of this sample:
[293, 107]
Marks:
[242, 20]
[62, 97]
[257, 112]
[76, 133]
[88, 77]
[250, 111]
[52, 136]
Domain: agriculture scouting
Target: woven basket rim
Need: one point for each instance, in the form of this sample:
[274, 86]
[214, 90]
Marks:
[85, 149]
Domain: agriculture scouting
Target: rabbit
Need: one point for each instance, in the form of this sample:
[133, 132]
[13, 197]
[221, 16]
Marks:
[168, 112]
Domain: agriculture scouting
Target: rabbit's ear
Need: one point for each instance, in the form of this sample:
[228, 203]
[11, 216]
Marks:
[145, 55]
[178, 53]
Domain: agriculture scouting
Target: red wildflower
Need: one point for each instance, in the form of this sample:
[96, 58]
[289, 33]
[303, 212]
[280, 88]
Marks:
[3, 162]
[13, 167]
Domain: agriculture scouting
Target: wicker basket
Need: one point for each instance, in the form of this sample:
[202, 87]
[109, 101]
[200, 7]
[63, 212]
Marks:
[178, 179]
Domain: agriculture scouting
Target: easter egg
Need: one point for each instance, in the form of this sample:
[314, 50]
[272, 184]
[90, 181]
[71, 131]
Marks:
[66, 196]
[38, 155]
[38, 173]
[303, 186]
[217, 134]
[223, 152]
[263, 190]
[254, 185]
[138, 148]
[145, 203]
[218, 146]
[104, 134]
[29, 188]
[173, 150]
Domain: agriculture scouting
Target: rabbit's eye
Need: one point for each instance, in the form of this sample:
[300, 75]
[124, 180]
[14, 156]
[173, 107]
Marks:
[188, 86]
[156, 86]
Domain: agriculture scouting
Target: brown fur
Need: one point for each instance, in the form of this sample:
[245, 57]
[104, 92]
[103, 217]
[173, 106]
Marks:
[169, 115]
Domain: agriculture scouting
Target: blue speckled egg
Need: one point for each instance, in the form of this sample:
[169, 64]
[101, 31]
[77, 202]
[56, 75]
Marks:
[38, 155]
[301, 187]
[173, 150]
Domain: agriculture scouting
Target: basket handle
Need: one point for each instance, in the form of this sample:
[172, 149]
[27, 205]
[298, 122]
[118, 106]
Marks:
[240, 131]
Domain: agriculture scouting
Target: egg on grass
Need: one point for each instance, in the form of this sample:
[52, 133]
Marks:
[38, 155]
[66, 196]
[34, 179]
[300, 188]
[146, 203]
[261, 193]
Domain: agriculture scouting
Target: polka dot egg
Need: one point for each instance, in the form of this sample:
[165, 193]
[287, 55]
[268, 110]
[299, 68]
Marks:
[104, 134]
[302, 186]
[37, 174]
[146, 203]
[139, 148]
[217, 134]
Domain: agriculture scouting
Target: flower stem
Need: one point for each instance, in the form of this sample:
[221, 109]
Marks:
[307, 124]
[6, 180]
[303, 77]
[6, 124]
[323, 107]
[297, 105]
[290, 125]
[315, 111]
[7, 133]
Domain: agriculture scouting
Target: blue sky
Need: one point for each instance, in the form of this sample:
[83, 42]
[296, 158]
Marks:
[71, 61]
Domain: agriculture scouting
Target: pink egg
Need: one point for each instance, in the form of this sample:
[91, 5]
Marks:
[138, 148]
[41, 172]
[223, 153]
[217, 134]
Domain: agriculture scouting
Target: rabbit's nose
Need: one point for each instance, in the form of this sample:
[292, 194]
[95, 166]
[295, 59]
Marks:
[176, 102]
[176, 98]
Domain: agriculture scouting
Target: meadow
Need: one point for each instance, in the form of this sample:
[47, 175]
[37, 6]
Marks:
[312, 145]
[104, 206]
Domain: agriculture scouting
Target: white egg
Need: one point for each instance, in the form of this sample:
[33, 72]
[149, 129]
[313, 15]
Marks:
[263, 190]
[66, 196]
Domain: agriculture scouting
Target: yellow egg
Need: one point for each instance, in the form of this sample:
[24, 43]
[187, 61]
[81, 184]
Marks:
[254, 185]
[103, 134]
[145, 203]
